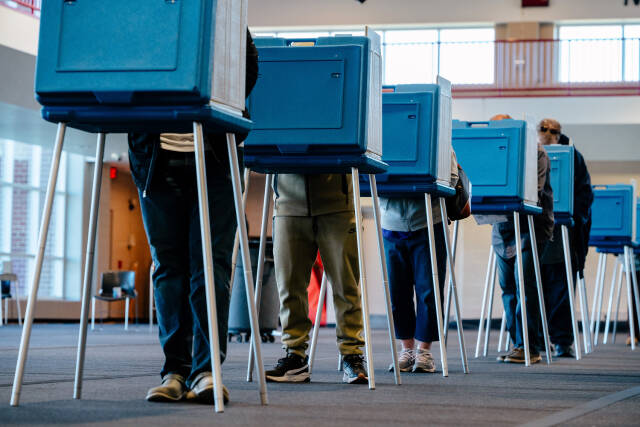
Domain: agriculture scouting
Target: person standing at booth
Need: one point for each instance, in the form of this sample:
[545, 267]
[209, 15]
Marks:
[164, 171]
[315, 212]
[504, 243]
[554, 277]
[406, 247]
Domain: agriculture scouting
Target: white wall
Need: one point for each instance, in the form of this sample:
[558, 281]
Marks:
[300, 13]
[19, 31]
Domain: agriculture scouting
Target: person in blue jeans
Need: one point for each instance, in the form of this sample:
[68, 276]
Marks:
[163, 169]
[406, 247]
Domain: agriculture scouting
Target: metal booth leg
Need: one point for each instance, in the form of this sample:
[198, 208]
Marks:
[436, 284]
[600, 300]
[447, 298]
[634, 279]
[236, 241]
[543, 310]
[364, 294]
[385, 278]
[483, 309]
[246, 263]
[583, 310]
[523, 301]
[316, 324]
[600, 273]
[503, 327]
[586, 322]
[629, 268]
[268, 182]
[42, 240]
[88, 266]
[569, 271]
[492, 284]
[454, 288]
[612, 291]
[618, 285]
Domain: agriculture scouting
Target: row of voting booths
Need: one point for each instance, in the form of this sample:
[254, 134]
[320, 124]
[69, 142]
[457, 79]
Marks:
[318, 107]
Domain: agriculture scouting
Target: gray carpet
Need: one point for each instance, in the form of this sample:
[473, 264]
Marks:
[121, 366]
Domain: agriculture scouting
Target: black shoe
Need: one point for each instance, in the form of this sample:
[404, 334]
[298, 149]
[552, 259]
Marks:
[354, 370]
[290, 369]
[564, 351]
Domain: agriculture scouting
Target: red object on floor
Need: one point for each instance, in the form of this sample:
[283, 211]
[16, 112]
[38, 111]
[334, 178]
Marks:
[314, 291]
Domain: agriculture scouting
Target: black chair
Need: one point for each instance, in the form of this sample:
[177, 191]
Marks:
[115, 286]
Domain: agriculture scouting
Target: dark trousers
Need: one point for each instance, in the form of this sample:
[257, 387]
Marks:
[556, 302]
[172, 222]
[511, 299]
[409, 266]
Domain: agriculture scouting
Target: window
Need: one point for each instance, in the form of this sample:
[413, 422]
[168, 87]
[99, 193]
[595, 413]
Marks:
[631, 46]
[467, 55]
[580, 45]
[410, 56]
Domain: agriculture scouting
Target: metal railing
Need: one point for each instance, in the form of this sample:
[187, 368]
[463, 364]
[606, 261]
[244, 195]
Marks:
[30, 7]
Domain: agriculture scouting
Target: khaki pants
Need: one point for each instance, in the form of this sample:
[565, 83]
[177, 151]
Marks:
[296, 241]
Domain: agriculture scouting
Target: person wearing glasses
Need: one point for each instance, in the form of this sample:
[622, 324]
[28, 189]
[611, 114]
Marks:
[554, 279]
[504, 244]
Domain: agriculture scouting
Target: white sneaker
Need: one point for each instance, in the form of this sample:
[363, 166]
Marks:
[406, 358]
[424, 361]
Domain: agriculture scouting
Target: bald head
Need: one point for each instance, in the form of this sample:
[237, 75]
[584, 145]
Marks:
[501, 117]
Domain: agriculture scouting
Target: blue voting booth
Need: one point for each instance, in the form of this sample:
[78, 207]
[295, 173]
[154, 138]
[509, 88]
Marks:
[501, 161]
[613, 216]
[561, 176]
[316, 106]
[635, 244]
[416, 140]
[122, 66]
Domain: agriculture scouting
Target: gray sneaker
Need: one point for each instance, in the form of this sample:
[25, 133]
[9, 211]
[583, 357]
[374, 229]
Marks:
[406, 358]
[172, 389]
[202, 389]
[424, 361]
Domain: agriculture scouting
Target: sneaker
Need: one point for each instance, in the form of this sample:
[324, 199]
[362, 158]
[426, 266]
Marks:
[500, 357]
[292, 369]
[564, 351]
[517, 356]
[173, 389]
[424, 361]
[354, 370]
[202, 390]
[406, 359]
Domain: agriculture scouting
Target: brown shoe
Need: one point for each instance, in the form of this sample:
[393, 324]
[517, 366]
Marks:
[517, 356]
[172, 389]
[202, 389]
[629, 341]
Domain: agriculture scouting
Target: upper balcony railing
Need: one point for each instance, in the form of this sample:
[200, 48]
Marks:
[577, 67]
[30, 7]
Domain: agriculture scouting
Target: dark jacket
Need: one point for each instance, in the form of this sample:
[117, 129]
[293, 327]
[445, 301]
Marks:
[144, 147]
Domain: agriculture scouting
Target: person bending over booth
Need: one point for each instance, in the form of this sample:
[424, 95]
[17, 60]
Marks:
[554, 277]
[406, 247]
[315, 212]
[163, 169]
[504, 243]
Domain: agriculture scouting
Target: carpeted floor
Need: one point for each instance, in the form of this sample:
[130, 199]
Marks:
[601, 389]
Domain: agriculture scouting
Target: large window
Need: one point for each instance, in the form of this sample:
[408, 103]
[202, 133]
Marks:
[462, 55]
[23, 181]
[599, 53]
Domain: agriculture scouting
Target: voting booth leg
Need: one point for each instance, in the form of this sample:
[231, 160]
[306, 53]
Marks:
[599, 308]
[88, 266]
[436, 284]
[318, 319]
[207, 254]
[503, 327]
[364, 294]
[385, 278]
[523, 305]
[484, 300]
[600, 273]
[246, 263]
[492, 286]
[447, 298]
[268, 181]
[634, 280]
[569, 270]
[236, 241]
[543, 310]
[612, 298]
[628, 270]
[586, 330]
[35, 283]
[618, 285]
[454, 289]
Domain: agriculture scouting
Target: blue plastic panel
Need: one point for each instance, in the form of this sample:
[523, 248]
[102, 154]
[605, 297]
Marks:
[613, 215]
[125, 52]
[561, 177]
[311, 96]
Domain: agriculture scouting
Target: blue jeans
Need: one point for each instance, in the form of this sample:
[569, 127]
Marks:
[556, 301]
[409, 265]
[172, 222]
[511, 299]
